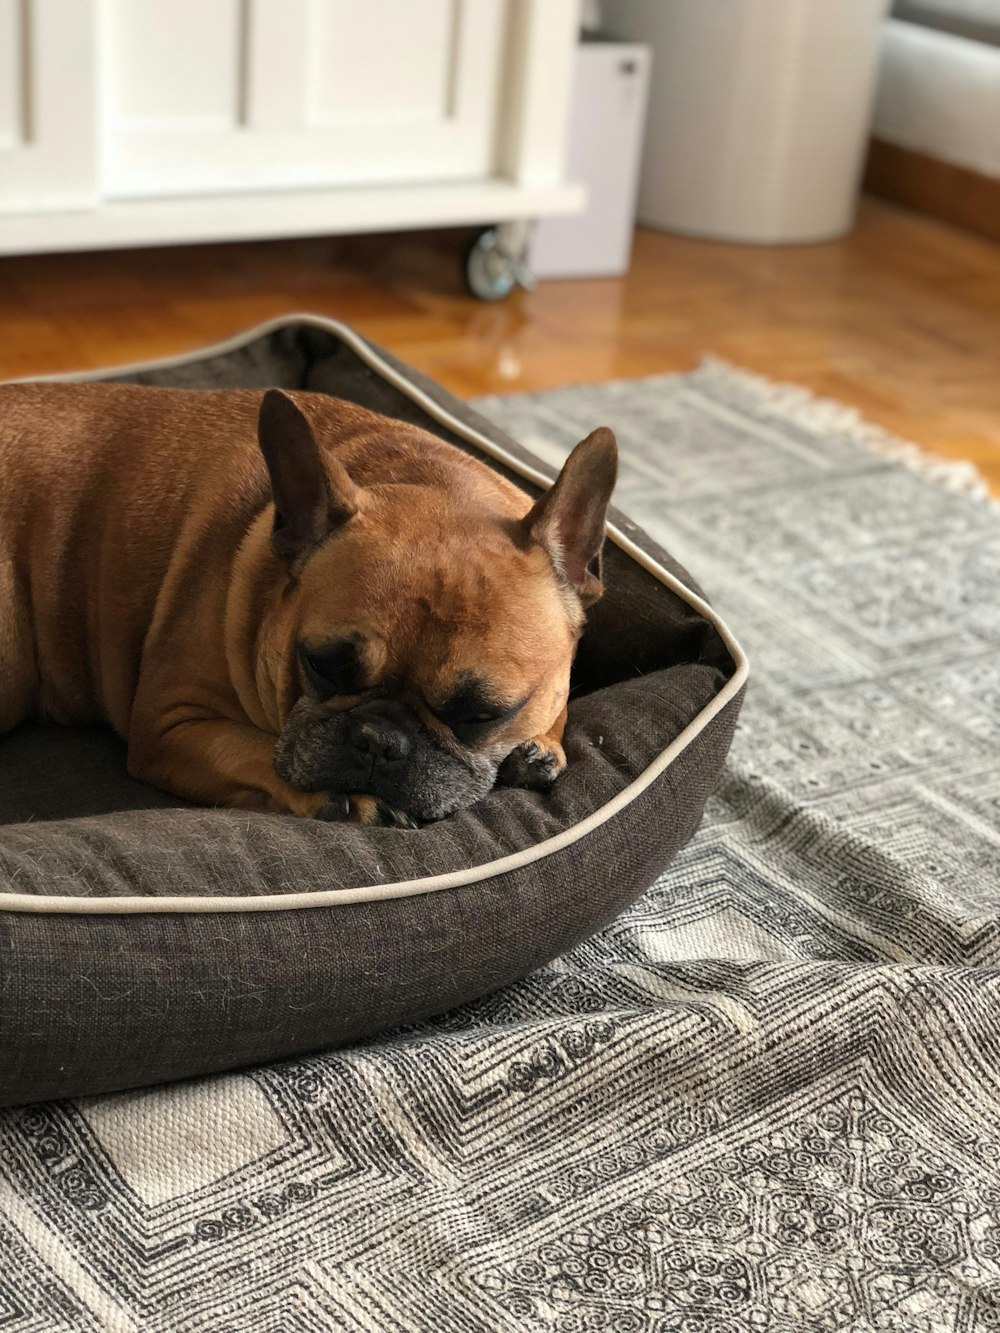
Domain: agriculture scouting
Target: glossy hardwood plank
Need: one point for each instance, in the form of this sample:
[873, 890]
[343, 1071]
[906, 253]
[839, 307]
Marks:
[901, 319]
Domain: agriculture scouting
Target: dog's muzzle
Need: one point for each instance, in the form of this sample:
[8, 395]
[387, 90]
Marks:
[380, 748]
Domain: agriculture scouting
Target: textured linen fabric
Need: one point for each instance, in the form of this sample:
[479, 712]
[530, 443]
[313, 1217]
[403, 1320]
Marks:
[98, 1003]
[762, 1100]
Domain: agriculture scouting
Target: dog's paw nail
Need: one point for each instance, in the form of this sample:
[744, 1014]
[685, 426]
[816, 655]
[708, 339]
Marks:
[335, 810]
[391, 818]
[376, 813]
[544, 773]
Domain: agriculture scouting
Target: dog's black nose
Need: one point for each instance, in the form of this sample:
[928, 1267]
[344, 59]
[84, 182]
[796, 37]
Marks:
[378, 735]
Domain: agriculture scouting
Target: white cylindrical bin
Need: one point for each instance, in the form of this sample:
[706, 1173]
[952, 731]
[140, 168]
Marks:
[759, 113]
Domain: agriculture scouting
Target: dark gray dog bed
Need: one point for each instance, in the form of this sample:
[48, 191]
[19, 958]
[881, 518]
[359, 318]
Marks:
[142, 939]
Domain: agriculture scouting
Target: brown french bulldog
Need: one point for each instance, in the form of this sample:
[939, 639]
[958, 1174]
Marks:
[282, 601]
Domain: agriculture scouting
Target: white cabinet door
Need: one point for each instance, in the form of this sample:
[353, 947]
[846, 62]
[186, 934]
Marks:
[210, 95]
[47, 105]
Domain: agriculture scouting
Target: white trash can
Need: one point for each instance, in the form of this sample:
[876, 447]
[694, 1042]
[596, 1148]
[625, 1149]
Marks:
[759, 113]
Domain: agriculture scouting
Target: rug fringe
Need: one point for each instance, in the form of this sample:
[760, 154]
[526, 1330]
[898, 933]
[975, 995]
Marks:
[821, 415]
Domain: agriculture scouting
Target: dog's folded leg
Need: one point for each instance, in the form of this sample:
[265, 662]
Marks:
[218, 762]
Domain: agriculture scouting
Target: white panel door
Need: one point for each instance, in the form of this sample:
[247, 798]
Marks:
[210, 95]
[47, 105]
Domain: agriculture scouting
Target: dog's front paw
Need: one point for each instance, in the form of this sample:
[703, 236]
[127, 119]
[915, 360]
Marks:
[334, 810]
[535, 764]
[308, 805]
[364, 810]
[370, 810]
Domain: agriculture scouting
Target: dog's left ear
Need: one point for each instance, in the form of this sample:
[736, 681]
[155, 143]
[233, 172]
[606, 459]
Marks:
[569, 519]
[312, 494]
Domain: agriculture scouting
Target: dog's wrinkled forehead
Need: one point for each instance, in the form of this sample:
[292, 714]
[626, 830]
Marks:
[347, 665]
[444, 610]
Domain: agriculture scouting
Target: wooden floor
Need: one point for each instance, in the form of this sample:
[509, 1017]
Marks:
[902, 319]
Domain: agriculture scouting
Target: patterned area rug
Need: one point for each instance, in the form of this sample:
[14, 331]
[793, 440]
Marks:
[766, 1100]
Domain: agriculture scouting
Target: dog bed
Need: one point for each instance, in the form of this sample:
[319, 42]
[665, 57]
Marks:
[144, 939]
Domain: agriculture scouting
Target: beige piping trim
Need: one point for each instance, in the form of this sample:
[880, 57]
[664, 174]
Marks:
[283, 902]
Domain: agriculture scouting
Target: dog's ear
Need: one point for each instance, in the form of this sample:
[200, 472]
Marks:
[312, 494]
[569, 519]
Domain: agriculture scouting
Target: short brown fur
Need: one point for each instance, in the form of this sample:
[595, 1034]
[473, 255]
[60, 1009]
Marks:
[140, 585]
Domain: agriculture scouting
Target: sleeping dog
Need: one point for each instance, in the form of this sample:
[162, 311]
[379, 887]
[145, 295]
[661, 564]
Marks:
[282, 601]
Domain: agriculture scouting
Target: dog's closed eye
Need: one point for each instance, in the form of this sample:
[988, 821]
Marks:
[471, 713]
[334, 668]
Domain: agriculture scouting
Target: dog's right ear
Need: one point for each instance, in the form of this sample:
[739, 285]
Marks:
[312, 494]
[569, 518]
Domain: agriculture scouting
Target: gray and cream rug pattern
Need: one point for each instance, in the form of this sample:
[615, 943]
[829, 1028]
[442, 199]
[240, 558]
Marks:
[765, 1100]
